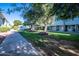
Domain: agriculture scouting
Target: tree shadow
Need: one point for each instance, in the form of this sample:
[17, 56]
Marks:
[51, 46]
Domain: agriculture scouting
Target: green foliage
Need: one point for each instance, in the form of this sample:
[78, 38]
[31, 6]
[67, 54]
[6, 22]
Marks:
[39, 13]
[46, 17]
[34, 37]
[66, 10]
[17, 22]
[32, 16]
[62, 10]
[43, 12]
[64, 36]
[25, 23]
[47, 13]
[38, 40]
[15, 27]
[4, 29]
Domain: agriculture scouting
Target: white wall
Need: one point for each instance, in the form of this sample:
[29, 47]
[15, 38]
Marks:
[67, 22]
[1, 22]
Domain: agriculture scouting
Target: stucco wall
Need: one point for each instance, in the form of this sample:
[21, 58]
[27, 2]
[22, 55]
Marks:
[67, 22]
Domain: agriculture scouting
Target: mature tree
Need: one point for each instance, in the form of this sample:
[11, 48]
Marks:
[33, 15]
[48, 8]
[40, 12]
[33, 12]
[25, 24]
[17, 22]
[30, 17]
[25, 9]
[46, 15]
[66, 11]
[20, 7]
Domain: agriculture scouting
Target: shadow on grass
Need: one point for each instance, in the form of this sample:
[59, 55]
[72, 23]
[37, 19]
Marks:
[33, 37]
[64, 36]
[47, 45]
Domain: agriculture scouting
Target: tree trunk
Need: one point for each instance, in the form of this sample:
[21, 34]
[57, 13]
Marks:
[32, 27]
[45, 29]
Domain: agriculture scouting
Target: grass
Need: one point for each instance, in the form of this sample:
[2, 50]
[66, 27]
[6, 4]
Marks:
[64, 36]
[34, 37]
[39, 41]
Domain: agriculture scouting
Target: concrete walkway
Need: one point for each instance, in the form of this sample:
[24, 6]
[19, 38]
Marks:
[16, 45]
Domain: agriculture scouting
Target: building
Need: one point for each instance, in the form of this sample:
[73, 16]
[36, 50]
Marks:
[70, 25]
[3, 20]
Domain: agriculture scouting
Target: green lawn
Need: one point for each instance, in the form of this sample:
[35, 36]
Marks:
[34, 37]
[39, 39]
[44, 42]
[64, 36]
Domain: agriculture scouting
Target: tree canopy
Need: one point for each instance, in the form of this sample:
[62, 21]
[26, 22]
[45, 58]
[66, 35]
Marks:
[43, 12]
[66, 10]
[17, 22]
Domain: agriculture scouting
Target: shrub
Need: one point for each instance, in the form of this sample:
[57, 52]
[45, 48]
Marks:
[15, 27]
[4, 29]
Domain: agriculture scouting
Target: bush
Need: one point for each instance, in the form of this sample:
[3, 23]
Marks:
[4, 29]
[15, 27]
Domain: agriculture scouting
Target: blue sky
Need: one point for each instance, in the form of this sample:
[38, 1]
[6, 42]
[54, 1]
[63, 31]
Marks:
[13, 16]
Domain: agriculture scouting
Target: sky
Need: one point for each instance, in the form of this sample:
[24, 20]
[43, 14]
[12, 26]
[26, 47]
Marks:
[13, 16]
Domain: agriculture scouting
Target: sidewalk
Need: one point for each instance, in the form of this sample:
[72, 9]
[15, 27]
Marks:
[16, 45]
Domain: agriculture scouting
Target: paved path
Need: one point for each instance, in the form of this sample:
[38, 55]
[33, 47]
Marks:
[16, 45]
